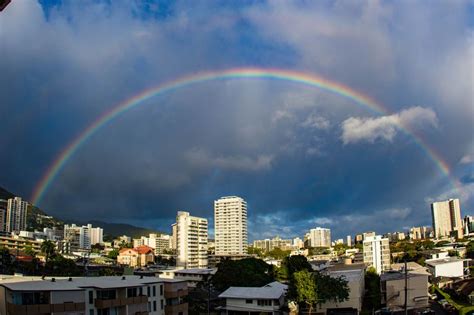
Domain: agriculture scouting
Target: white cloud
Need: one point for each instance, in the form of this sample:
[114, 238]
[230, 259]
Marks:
[316, 122]
[201, 158]
[357, 129]
[467, 159]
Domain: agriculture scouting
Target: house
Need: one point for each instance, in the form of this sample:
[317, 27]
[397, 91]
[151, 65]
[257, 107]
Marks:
[392, 285]
[136, 257]
[268, 299]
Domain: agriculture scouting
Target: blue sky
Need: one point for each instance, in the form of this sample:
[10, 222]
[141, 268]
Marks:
[300, 156]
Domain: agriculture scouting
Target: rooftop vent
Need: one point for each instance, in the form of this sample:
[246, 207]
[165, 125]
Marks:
[123, 278]
[70, 279]
[53, 279]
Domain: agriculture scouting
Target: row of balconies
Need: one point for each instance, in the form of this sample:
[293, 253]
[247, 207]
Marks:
[37, 309]
[99, 303]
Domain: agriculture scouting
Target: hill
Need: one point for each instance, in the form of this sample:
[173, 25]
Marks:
[38, 219]
[5, 194]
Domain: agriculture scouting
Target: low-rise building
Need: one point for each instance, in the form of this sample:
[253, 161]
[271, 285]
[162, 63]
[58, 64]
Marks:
[268, 299]
[16, 242]
[354, 275]
[136, 257]
[392, 285]
[450, 267]
[191, 276]
[92, 295]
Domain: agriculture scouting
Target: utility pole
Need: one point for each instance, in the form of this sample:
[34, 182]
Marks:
[406, 288]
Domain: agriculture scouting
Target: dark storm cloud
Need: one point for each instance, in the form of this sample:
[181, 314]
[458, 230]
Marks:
[301, 157]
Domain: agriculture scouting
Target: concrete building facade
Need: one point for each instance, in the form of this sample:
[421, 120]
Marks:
[376, 251]
[230, 226]
[16, 215]
[319, 237]
[191, 241]
[446, 217]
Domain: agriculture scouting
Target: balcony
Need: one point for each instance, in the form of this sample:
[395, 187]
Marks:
[37, 309]
[171, 294]
[99, 303]
[176, 309]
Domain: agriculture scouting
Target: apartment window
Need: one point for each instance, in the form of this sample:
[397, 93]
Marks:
[161, 289]
[91, 312]
[106, 294]
[91, 297]
[154, 305]
[148, 291]
[154, 290]
[162, 304]
[132, 292]
[141, 291]
[264, 302]
[248, 301]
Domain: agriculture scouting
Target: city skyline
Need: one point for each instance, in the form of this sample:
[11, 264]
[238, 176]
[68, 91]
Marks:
[129, 113]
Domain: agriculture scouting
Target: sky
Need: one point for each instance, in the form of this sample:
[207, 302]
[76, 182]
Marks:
[300, 156]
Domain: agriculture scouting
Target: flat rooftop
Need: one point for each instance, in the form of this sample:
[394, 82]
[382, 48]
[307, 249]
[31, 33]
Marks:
[441, 261]
[271, 291]
[64, 284]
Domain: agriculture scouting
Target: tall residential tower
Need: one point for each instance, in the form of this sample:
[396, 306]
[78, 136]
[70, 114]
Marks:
[16, 215]
[447, 220]
[191, 240]
[230, 226]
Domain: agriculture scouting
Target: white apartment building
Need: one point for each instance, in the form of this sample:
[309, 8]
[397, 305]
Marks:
[16, 215]
[191, 241]
[298, 243]
[230, 226]
[93, 295]
[82, 237]
[349, 240]
[447, 220]
[376, 252]
[319, 237]
[159, 242]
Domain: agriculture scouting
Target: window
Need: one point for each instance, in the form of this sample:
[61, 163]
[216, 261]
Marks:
[148, 291]
[106, 294]
[154, 306]
[264, 302]
[162, 304]
[140, 290]
[161, 289]
[132, 292]
[91, 312]
[91, 297]
[248, 301]
[154, 290]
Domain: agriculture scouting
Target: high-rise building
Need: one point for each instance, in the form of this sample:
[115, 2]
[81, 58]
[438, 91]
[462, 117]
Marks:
[82, 237]
[447, 219]
[420, 232]
[319, 237]
[270, 244]
[3, 215]
[376, 252]
[298, 243]
[349, 240]
[230, 226]
[16, 215]
[191, 241]
[468, 224]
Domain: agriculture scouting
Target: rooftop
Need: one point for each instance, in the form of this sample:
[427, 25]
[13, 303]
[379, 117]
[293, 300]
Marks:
[447, 260]
[271, 291]
[200, 271]
[64, 284]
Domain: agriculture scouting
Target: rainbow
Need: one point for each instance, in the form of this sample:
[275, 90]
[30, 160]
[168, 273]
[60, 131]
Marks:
[238, 73]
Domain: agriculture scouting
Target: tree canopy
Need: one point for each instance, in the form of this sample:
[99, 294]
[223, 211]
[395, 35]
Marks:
[248, 272]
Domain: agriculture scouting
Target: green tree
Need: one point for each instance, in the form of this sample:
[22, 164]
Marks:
[6, 261]
[255, 251]
[113, 254]
[248, 272]
[28, 249]
[296, 263]
[61, 266]
[278, 253]
[49, 249]
[305, 288]
[470, 250]
[372, 286]
[329, 288]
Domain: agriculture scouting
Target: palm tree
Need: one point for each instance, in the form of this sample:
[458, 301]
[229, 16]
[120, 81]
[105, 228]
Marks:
[48, 248]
